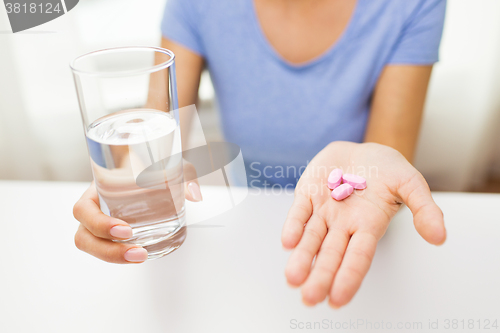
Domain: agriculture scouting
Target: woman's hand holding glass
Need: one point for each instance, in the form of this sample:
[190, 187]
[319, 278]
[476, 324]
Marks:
[97, 230]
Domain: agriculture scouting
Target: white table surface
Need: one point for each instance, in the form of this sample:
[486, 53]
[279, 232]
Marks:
[230, 278]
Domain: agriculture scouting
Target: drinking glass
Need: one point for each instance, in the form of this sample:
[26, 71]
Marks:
[129, 109]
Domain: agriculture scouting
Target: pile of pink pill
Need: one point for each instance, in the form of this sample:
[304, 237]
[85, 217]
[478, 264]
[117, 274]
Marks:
[342, 185]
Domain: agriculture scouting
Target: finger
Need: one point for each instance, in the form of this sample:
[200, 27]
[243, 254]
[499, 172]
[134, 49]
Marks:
[427, 216]
[87, 211]
[319, 282]
[108, 250]
[299, 213]
[300, 261]
[357, 260]
[191, 185]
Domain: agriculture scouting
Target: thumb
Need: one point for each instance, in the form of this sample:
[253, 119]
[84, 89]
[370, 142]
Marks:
[191, 186]
[427, 216]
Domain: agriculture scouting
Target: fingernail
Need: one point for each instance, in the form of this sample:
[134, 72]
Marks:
[333, 306]
[136, 254]
[121, 231]
[194, 189]
[306, 303]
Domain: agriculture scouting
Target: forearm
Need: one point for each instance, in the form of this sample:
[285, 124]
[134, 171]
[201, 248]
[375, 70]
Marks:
[188, 67]
[397, 108]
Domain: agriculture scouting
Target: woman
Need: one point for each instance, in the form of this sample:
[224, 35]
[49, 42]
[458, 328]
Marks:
[305, 82]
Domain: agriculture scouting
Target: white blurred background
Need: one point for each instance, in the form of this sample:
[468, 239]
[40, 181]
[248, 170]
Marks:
[41, 136]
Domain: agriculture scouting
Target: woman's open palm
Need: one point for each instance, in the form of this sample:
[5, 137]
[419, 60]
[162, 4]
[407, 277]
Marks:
[343, 235]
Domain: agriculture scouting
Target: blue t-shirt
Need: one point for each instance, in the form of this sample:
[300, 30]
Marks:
[280, 114]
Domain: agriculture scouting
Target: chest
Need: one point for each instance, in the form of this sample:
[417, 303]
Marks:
[300, 31]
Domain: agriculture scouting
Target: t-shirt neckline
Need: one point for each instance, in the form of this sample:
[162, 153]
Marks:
[344, 36]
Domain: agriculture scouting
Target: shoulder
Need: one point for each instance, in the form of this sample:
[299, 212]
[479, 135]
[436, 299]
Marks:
[207, 10]
[203, 6]
[412, 9]
[404, 8]
[191, 6]
[406, 13]
[400, 12]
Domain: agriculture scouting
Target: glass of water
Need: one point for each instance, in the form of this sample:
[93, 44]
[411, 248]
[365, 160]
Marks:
[128, 103]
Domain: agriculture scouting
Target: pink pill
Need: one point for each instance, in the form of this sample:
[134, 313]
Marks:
[359, 183]
[335, 178]
[342, 192]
